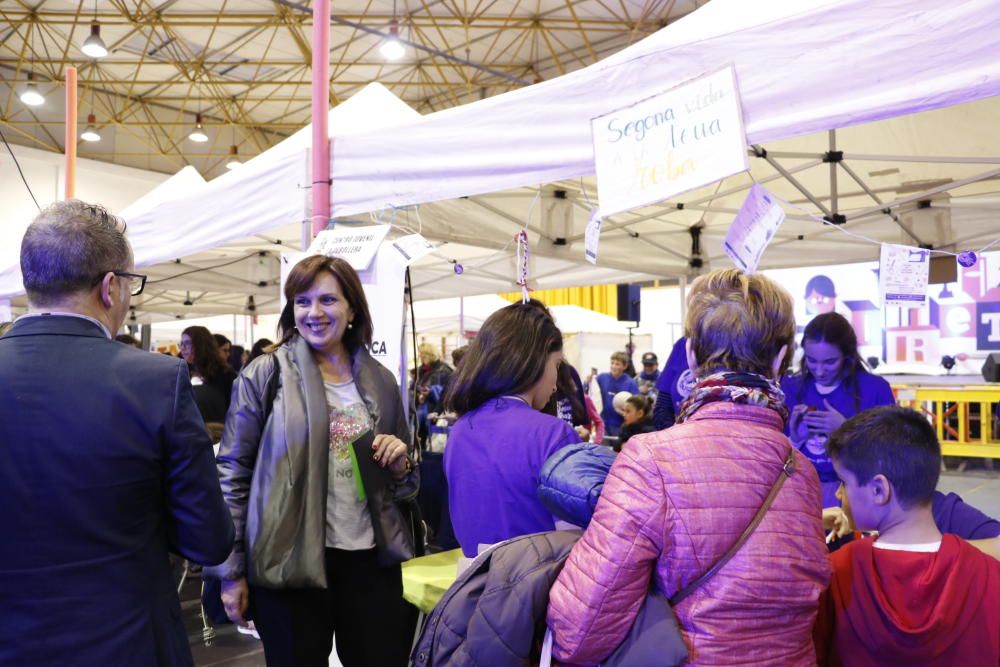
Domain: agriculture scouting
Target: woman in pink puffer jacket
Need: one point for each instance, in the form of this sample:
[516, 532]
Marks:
[675, 501]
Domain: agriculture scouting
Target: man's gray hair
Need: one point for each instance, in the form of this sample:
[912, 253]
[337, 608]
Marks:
[67, 246]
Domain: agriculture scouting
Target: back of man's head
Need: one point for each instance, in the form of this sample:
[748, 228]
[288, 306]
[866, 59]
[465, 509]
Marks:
[896, 442]
[69, 245]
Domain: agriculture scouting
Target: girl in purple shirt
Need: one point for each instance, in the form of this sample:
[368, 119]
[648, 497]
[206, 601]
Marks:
[501, 439]
[832, 385]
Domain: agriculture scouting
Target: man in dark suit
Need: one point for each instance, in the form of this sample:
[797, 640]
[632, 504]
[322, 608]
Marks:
[105, 464]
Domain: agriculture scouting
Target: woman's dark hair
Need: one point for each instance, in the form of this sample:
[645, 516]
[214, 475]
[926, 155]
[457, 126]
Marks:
[259, 348]
[302, 277]
[834, 329]
[206, 352]
[566, 386]
[507, 357]
[236, 357]
[642, 403]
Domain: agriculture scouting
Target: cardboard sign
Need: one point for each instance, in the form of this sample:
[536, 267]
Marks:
[752, 230]
[903, 275]
[679, 140]
[357, 245]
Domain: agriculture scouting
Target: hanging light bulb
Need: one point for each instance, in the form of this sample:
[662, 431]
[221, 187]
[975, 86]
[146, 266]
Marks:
[234, 160]
[90, 133]
[392, 48]
[30, 95]
[94, 46]
[198, 133]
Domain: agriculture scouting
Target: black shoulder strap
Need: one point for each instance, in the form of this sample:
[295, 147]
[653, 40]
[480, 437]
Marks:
[271, 390]
[786, 471]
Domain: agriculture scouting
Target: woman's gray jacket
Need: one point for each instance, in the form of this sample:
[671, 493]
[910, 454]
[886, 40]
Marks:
[273, 469]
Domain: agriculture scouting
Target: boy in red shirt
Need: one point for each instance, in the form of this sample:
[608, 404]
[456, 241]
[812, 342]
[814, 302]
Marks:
[911, 596]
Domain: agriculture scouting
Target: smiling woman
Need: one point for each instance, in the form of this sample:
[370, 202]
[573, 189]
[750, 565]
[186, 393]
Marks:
[316, 470]
[832, 385]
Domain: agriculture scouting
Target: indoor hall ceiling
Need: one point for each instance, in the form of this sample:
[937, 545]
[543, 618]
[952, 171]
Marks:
[245, 64]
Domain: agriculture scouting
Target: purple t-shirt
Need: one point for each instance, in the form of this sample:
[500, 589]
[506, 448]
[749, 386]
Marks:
[492, 461]
[872, 391]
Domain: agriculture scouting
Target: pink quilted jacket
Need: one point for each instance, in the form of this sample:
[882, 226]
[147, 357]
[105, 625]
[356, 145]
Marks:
[674, 502]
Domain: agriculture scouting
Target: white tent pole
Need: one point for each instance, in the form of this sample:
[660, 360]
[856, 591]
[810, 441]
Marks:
[925, 194]
[833, 172]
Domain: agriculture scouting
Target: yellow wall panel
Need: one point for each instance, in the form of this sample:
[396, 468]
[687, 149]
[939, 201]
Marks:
[601, 298]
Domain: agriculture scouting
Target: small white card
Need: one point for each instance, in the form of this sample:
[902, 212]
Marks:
[357, 245]
[752, 230]
[413, 247]
[592, 237]
[903, 275]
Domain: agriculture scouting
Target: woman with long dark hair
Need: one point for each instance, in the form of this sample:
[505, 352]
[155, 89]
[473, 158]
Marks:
[832, 385]
[315, 466]
[211, 378]
[501, 439]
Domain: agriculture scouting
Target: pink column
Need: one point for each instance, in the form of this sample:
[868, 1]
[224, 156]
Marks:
[70, 139]
[320, 106]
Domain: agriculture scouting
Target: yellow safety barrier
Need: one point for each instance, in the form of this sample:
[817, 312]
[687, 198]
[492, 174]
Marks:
[965, 417]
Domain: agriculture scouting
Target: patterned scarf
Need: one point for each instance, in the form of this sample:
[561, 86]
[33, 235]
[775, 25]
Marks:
[735, 387]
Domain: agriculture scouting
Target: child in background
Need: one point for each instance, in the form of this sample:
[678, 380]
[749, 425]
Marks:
[637, 418]
[911, 596]
[611, 383]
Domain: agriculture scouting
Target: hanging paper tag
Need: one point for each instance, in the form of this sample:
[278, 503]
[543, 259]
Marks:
[752, 230]
[903, 275]
[593, 236]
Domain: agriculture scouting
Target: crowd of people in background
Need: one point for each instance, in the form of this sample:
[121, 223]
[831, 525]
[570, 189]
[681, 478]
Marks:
[779, 515]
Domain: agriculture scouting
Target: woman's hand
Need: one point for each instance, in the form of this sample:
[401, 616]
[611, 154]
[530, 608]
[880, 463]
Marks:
[390, 452]
[797, 430]
[235, 598]
[824, 421]
[583, 432]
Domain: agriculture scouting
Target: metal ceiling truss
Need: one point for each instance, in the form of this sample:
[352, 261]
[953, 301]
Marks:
[245, 67]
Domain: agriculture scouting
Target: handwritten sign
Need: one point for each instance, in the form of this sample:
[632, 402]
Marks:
[679, 140]
[752, 230]
[903, 275]
[357, 245]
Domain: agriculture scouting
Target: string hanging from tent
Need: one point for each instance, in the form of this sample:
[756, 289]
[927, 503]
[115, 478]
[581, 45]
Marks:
[966, 258]
[522, 264]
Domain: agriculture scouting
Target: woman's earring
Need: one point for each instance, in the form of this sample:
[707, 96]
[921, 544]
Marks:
[350, 325]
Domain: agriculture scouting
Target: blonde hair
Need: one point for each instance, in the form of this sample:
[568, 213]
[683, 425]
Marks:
[620, 356]
[738, 322]
[429, 351]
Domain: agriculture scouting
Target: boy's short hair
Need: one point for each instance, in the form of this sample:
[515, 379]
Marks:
[893, 441]
[620, 356]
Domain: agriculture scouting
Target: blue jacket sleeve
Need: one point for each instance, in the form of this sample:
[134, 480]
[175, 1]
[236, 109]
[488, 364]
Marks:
[572, 479]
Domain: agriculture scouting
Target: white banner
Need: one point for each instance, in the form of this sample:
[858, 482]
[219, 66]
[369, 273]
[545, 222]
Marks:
[670, 143]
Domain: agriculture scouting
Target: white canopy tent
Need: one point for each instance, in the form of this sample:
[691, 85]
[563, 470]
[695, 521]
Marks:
[801, 67]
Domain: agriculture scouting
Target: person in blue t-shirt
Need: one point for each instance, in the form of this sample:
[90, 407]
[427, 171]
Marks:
[674, 382]
[832, 385]
[610, 384]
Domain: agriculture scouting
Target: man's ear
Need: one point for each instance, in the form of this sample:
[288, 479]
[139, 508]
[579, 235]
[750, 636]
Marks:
[106, 298]
[881, 489]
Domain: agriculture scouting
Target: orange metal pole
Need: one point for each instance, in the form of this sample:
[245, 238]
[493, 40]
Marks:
[70, 142]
